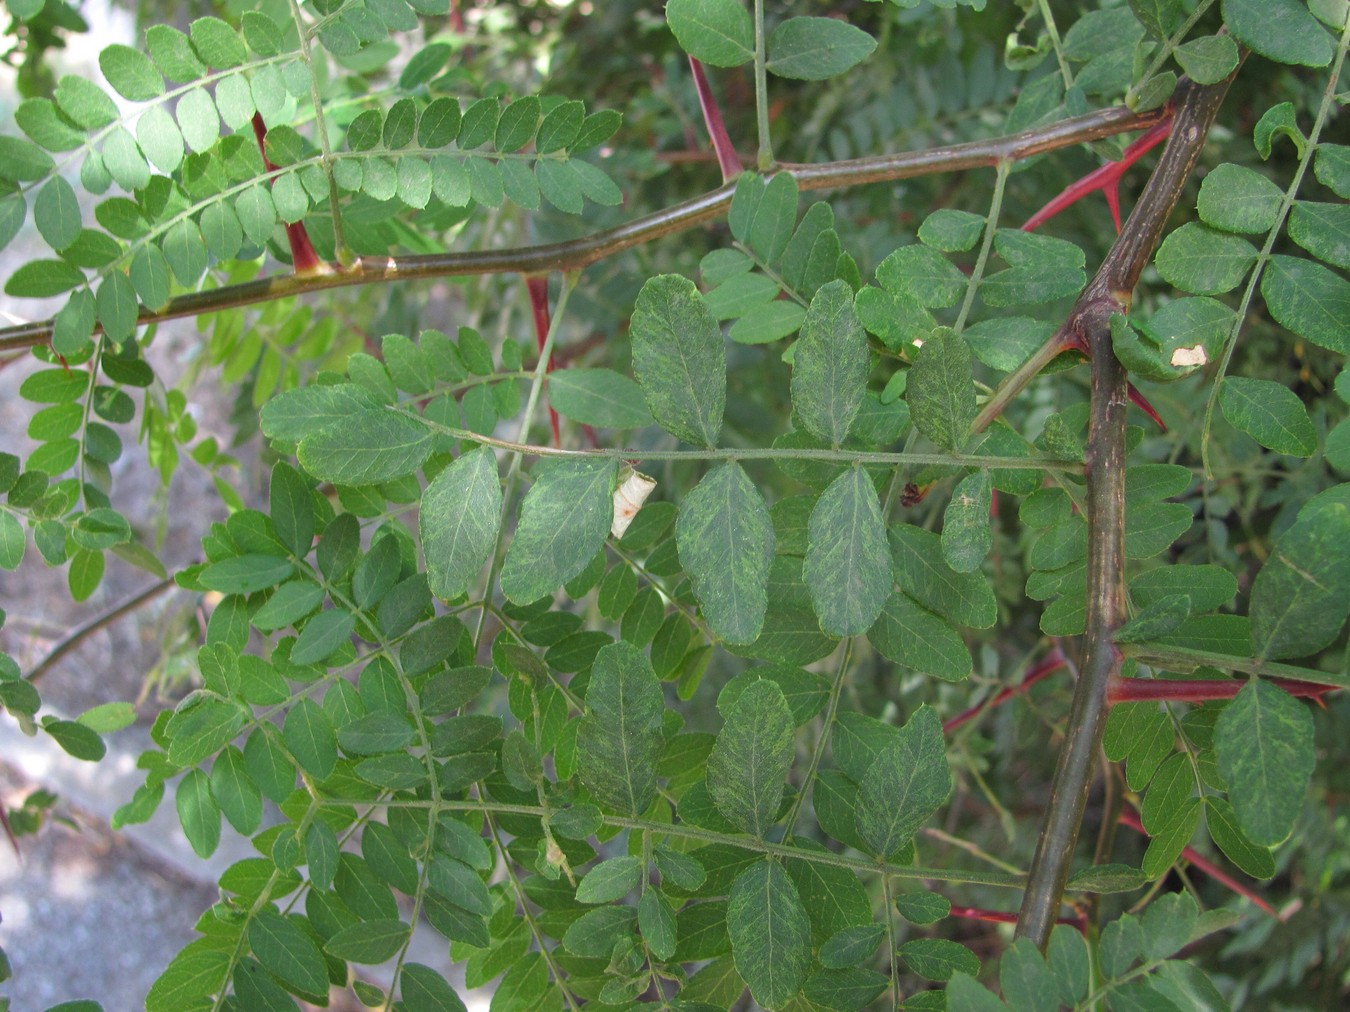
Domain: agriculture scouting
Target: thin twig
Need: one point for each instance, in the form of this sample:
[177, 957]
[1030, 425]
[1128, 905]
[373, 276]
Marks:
[583, 251]
[82, 632]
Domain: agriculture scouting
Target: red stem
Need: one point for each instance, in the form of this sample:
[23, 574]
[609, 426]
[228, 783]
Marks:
[304, 259]
[1128, 818]
[1001, 917]
[712, 116]
[537, 286]
[1053, 661]
[1198, 690]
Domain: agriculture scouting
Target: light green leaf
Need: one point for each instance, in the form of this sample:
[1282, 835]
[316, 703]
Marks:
[1207, 587]
[1198, 259]
[913, 636]
[610, 880]
[766, 323]
[1238, 199]
[941, 392]
[923, 273]
[814, 49]
[459, 521]
[85, 102]
[770, 933]
[1041, 269]
[1323, 230]
[297, 413]
[1264, 741]
[40, 279]
[56, 212]
[748, 766]
[619, 739]
[966, 533]
[846, 569]
[906, 783]
[1270, 413]
[717, 32]
[368, 447]
[1280, 30]
[725, 542]
[599, 397]
[679, 359]
[563, 522]
[829, 370]
[131, 73]
[1310, 300]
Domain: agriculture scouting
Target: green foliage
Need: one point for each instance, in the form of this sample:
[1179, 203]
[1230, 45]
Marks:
[457, 686]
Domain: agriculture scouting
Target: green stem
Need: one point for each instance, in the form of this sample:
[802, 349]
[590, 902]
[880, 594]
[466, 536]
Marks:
[765, 158]
[990, 228]
[321, 135]
[1053, 29]
[1263, 258]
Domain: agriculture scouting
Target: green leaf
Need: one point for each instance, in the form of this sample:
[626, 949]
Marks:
[1333, 168]
[831, 363]
[1222, 820]
[375, 733]
[12, 541]
[1198, 259]
[297, 413]
[198, 814]
[619, 739]
[323, 634]
[1208, 59]
[459, 521]
[846, 569]
[748, 766]
[369, 942]
[131, 73]
[922, 572]
[292, 508]
[913, 636]
[924, 274]
[966, 533]
[814, 49]
[725, 542]
[287, 952]
[1159, 17]
[770, 933]
[1171, 839]
[56, 213]
[938, 958]
[1207, 587]
[189, 980]
[1270, 413]
[763, 213]
[1264, 742]
[1301, 595]
[563, 522]
[717, 32]
[1042, 269]
[41, 279]
[22, 160]
[1237, 199]
[679, 359]
[923, 907]
[941, 392]
[202, 729]
[852, 946]
[906, 783]
[517, 124]
[610, 880]
[369, 447]
[599, 397]
[424, 990]
[235, 792]
[1323, 230]
[308, 734]
[1310, 300]
[217, 43]
[245, 573]
[1158, 619]
[1280, 30]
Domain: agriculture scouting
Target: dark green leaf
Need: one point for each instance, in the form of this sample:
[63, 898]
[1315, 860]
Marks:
[459, 520]
[922, 572]
[941, 393]
[938, 958]
[1227, 834]
[369, 941]
[916, 638]
[725, 541]
[1208, 59]
[1270, 413]
[829, 370]
[370, 446]
[599, 397]
[906, 783]
[1310, 300]
[1198, 259]
[1264, 741]
[717, 32]
[619, 738]
[1280, 30]
[762, 214]
[286, 951]
[748, 766]
[1238, 199]
[813, 49]
[198, 813]
[846, 568]
[679, 359]
[770, 933]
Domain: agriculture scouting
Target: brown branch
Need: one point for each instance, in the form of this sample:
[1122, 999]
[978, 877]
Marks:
[586, 250]
[1109, 292]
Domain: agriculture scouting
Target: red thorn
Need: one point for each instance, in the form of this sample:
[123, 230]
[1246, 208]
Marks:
[537, 286]
[304, 258]
[456, 18]
[998, 916]
[1199, 690]
[727, 158]
[1141, 402]
[1106, 179]
[1052, 662]
[1128, 818]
